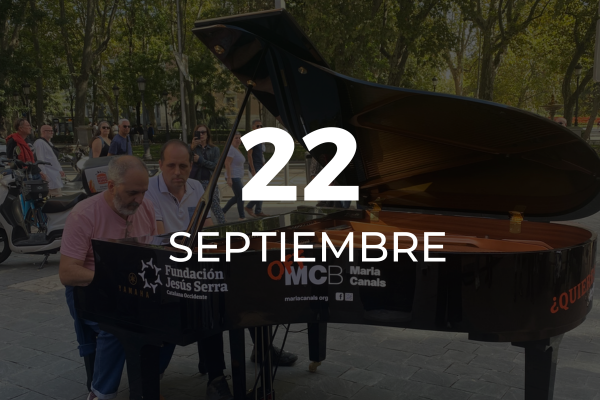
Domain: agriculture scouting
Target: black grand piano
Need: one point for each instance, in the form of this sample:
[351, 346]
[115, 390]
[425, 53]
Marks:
[492, 181]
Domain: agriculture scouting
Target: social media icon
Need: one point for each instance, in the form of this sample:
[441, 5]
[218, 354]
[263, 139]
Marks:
[339, 296]
[349, 296]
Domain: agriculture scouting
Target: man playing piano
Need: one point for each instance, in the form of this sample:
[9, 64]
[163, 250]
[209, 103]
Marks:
[175, 198]
[120, 212]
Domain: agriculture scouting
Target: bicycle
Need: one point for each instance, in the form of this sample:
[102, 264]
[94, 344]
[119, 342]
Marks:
[33, 195]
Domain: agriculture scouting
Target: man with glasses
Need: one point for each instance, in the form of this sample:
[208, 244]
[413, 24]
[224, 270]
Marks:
[175, 198]
[45, 151]
[121, 144]
[256, 162]
[119, 212]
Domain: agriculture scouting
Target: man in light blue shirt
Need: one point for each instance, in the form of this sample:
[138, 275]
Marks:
[175, 198]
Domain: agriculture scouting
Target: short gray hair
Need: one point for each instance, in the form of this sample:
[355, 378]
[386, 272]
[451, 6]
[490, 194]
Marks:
[122, 120]
[118, 167]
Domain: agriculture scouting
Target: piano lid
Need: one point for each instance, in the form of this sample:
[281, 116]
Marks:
[417, 151]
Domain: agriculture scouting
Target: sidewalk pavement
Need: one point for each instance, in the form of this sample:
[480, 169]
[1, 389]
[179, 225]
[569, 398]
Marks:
[39, 357]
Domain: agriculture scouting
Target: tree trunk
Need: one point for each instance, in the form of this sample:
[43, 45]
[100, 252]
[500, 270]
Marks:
[570, 98]
[398, 63]
[81, 88]
[594, 113]
[94, 99]
[39, 82]
[191, 106]
[488, 70]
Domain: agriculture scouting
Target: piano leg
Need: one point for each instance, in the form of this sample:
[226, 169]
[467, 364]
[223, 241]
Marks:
[237, 345]
[142, 360]
[540, 367]
[263, 389]
[317, 344]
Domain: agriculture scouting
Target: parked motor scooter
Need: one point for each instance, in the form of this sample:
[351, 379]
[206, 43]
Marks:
[14, 235]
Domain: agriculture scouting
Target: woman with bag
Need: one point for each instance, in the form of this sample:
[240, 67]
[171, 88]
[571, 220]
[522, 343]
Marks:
[206, 156]
[234, 166]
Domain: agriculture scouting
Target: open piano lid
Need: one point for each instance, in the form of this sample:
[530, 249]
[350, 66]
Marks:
[416, 151]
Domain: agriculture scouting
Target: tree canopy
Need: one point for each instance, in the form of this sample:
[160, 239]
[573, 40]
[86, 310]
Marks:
[72, 52]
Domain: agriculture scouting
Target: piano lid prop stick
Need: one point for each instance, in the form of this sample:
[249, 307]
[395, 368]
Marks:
[201, 211]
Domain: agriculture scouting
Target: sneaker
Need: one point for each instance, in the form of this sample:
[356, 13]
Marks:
[285, 360]
[249, 212]
[218, 389]
[262, 214]
[92, 396]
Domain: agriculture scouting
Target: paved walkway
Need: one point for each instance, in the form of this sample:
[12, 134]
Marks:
[39, 360]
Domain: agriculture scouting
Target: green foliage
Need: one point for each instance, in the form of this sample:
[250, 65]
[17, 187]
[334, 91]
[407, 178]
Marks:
[398, 42]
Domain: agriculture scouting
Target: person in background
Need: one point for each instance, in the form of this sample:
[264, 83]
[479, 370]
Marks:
[17, 140]
[561, 121]
[150, 133]
[121, 144]
[206, 156]
[45, 151]
[256, 162]
[101, 142]
[175, 198]
[119, 212]
[234, 172]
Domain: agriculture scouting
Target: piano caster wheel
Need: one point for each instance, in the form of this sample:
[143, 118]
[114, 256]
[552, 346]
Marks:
[312, 367]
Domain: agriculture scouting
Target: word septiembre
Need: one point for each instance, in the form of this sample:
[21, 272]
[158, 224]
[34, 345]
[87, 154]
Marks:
[299, 248]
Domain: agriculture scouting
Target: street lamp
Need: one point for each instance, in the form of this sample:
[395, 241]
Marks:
[165, 96]
[26, 90]
[434, 82]
[115, 90]
[578, 69]
[141, 82]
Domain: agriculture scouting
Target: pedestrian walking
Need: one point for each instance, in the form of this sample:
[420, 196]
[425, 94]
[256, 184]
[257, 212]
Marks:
[206, 157]
[234, 166]
[256, 162]
[150, 133]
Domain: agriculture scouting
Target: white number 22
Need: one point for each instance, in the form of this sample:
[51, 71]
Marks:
[319, 189]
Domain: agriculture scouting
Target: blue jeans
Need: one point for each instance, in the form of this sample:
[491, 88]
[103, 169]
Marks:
[236, 185]
[258, 204]
[110, 356]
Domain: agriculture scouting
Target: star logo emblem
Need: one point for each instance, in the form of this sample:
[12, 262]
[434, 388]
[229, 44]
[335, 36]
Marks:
[150, 275]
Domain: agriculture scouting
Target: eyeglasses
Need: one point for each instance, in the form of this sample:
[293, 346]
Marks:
[106, 127]
[126, 126]
[201, 132]
[258, 126]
